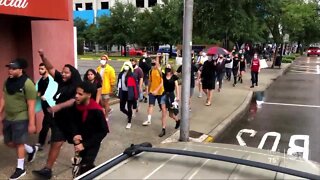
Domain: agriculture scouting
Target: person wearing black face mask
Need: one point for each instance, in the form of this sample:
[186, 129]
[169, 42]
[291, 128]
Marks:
[220, 69]
[138, 75]
[170, 83]
[235, 69]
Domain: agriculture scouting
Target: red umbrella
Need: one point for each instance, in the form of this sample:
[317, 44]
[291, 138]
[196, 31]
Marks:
[217, 50]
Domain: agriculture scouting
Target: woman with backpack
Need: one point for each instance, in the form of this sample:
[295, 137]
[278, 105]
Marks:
[128, 92]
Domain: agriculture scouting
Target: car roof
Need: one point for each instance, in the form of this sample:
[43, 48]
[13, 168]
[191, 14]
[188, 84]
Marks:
[171, 166]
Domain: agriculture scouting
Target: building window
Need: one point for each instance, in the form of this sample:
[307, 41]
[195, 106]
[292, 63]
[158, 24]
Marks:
[78, 6]
[152, 3]
[89, 6]
[104, 5]
[140, 3]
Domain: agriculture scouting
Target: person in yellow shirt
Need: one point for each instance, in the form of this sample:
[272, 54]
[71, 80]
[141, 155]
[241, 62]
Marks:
[108, 76]
[156, 90]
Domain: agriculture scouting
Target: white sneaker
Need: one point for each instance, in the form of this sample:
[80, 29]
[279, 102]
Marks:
[128, 126]
[146, 123]
[200, 95]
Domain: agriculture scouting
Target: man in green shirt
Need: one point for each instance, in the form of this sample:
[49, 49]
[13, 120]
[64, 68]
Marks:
[18, 104]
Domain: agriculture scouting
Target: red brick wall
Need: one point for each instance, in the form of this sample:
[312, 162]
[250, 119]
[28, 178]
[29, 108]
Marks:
[22, 37]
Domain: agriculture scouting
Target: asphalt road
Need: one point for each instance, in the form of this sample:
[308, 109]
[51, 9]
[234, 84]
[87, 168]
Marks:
[285, 117]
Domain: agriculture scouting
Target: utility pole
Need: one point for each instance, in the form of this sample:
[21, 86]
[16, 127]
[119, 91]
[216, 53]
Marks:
[95, 14]
[186, 69]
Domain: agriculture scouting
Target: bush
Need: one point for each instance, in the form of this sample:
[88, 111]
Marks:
[290, 57]
[286, 60]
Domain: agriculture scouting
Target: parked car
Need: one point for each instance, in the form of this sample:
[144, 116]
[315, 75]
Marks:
[202, 161]
[167, 50]
[313, 51]
[133, 52]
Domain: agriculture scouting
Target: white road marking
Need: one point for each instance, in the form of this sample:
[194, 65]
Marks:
[303, 72]
[158, 168]
[198, 169]
[249, 131]
[275, 143]
[296, 105]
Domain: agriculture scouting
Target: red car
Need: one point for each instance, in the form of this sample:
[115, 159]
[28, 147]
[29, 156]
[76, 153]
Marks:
[313, 51]
[133, 52]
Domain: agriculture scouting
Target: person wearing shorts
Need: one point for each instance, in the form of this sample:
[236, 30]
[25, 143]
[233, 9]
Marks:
[18, 103]
[108, 76]
[170, 83]
[156, 90]
[62, 113]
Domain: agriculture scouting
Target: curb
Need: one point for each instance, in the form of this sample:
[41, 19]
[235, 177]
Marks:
[240, 111]
[236, 115]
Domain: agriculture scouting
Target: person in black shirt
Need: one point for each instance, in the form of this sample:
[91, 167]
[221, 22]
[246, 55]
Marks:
[242, 68]
[46, 100]
[89, 126]
[93, 77]
[208, 76]
[63, 111]
[194, 70]
[145, 65]
[235, 68]
[220, 69]
[170, 84]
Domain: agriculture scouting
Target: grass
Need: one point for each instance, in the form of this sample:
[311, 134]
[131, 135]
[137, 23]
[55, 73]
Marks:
[93, 56]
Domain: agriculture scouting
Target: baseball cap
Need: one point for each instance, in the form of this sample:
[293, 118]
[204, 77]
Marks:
[18, 63]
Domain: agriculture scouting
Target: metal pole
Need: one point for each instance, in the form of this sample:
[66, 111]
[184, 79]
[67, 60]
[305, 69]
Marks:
[186, 69]
[95, 12]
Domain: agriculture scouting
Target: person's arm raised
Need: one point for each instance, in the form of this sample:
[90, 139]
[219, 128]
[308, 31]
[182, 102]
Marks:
[47, 63]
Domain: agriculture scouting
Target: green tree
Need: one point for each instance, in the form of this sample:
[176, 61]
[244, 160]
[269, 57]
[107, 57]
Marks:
[81, 28]
[120, 27]
[160, 25]
[301, 21]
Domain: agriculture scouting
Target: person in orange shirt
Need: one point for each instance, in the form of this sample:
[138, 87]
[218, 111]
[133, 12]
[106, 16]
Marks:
[108, 76]
[156, 90]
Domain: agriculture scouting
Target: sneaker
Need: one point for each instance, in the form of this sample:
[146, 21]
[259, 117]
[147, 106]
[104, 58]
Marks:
[146, 123]
[128, 126]
[18, 174]
[32, 156]
[44, 173]
[177, 124]
[40, 147]
[163, 132]
[252, 86]
[200, 95]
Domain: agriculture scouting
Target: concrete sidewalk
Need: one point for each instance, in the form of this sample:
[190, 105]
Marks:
[212, 120]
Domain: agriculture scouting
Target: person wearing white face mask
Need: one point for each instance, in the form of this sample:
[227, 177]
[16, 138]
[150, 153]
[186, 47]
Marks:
[108, 76]
[128, 91]
[255, 69]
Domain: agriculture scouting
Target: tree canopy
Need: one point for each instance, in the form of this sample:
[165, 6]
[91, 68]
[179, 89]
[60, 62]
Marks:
[218, 21]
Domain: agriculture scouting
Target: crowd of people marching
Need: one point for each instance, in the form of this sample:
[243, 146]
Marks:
[77, 109]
